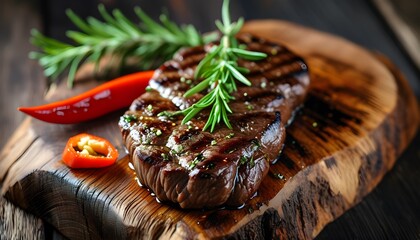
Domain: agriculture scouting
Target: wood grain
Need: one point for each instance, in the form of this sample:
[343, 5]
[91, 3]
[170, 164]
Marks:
[359, 117]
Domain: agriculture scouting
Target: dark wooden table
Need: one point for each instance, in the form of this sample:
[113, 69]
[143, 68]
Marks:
[391, 211]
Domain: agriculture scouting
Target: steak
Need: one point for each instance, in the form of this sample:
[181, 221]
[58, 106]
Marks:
[192, 168]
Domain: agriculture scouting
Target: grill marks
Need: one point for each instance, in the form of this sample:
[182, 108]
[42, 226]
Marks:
[280, 67]
[196, 169]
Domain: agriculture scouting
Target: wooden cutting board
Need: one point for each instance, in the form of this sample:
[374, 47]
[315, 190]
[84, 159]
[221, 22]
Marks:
[358, 118]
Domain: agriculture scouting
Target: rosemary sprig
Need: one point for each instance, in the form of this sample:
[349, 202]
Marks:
[219, 70]
[117, 36]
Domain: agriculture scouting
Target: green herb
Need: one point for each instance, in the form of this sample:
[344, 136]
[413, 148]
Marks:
[192, 164]
[249, 106]
[116, 36]
[263, 85]
[129, 118]
[251, 162]
[199, 157]
[164, 156]
[219, 70]
[196, 160]
[230, 135]
[256, 143]
[147, 141]
[243, 160]
[177, 149]
[232, 150]
[158, 132]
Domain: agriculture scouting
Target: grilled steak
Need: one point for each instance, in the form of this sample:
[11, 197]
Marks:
[181, 163]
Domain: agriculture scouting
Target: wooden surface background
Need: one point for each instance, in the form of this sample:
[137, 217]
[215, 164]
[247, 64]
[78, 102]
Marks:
[390, 211]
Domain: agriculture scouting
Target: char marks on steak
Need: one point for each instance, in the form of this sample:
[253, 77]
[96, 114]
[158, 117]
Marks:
[181, 163]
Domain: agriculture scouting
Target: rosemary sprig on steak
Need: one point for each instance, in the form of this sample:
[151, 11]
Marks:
[219, 70]
[117, 37]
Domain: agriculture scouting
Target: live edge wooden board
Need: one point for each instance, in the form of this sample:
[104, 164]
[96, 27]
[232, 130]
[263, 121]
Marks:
[359, 116]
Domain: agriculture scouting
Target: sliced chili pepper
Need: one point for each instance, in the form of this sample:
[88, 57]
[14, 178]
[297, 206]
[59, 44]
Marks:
[94, 103]
[88, 151]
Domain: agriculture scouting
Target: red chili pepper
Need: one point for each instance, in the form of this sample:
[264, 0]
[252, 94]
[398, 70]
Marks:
[96, 102]
[88, 151]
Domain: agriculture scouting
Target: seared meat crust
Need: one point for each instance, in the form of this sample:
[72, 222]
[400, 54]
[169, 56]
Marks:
[181, 163]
